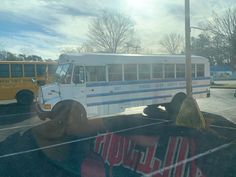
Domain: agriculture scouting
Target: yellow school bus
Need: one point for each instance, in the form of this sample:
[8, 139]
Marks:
[20, 79]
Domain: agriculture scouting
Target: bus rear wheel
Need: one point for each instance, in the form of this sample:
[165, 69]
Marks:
[25, 97]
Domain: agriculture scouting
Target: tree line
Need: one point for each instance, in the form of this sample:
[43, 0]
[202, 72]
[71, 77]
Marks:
[8, 56]
[217, 40]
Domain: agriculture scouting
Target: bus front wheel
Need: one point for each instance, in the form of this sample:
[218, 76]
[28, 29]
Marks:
[25, 97]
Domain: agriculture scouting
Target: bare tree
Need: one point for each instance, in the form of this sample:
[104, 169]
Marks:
[224, 27]
[84, 48]
[173, 43]
[133, 45]
[110, 31]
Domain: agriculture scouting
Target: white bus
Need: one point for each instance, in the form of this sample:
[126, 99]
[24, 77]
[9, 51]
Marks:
[95, 85]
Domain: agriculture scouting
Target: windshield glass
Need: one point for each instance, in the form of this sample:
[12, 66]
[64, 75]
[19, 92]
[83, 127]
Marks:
[63, 73]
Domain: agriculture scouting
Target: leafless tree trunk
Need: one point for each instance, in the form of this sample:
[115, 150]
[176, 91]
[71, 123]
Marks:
[110, 31]
[173, 43]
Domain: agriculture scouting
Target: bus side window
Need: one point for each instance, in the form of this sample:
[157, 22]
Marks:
[4, 71]
[41, 68]
[200, 70]
[157, 71]
[16, 70]
[78, 75]
[180, 70]
[114, 72]
[144, 71]
[130, 72]
[169, 71]
[95, 73]
[52, 69]
[29, 70]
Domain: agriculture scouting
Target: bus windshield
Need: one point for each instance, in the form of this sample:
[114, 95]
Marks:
[63, 73]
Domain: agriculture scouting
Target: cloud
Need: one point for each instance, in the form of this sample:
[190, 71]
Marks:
[47, 26]
[33, 43]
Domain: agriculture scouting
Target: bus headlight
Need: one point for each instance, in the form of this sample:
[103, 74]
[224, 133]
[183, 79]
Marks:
[47, 106]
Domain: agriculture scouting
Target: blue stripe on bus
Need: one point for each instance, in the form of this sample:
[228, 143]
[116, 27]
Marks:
[140, 91]
[98, 84]
[135, 99]
[127, 100]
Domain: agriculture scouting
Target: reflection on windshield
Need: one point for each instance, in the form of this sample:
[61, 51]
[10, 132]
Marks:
[63, 73]
[138, 93]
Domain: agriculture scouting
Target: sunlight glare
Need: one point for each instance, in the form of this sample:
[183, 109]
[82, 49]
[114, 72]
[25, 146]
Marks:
[137, 4]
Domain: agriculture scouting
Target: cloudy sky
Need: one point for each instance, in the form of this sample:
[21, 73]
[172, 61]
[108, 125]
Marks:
[46, 27]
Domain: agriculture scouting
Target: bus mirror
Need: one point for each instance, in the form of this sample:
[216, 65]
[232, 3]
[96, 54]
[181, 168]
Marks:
[41, 82]
[34, 80]
[38, 82]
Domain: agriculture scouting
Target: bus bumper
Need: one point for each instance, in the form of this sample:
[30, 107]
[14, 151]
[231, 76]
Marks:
[42, 114]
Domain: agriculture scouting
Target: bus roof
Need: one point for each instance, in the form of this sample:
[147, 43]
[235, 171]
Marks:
[104, 58]
[28, 62]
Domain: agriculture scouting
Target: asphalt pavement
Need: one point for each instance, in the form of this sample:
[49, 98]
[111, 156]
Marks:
[221, 102]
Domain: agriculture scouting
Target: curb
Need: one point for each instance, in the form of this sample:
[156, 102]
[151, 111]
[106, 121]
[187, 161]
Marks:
[222, 87]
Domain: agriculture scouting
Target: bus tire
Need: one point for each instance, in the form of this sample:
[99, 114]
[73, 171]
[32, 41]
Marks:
[69, 109]
[174, 106]
[25, 97]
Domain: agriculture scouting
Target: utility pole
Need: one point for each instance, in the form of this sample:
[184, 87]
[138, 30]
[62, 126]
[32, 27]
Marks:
[188, 50]
[189, 113]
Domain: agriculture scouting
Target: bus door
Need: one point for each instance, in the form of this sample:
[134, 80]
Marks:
[79, 86]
